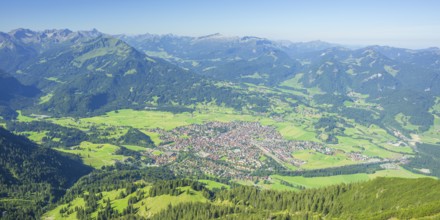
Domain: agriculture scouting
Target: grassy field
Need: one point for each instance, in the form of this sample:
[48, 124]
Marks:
[349, 144]
[316, 182]
[400, 172]
[376, 136]
[35, 136]
[404, 122]
[146, 207]
[146, 120]
[291, 132]
[214, 185]
[55, 213]
[154, 137]
[159, 203]
[293, 82]
[316, 160]
[432, 136]
[293, 124]
[46, 98]
[23, 118]
[95, 155]
[168, 120]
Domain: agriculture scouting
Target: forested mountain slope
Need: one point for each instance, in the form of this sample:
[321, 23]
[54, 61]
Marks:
[32, 177]
[238, 59]
[157, 197]
[85, 73]
[14, 95]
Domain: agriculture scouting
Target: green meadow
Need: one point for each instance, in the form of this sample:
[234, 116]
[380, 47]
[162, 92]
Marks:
[297, 124]
[316, 182]
[55, 213]
[95, 155]
[432, 136]
[210, 184]
[146, 207]
[316, 160]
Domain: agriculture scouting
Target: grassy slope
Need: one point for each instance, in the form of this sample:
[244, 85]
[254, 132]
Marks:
[316, 160]
[361, 201]
[55, 213]
[96, 155]
[214, 185]
[158, 203]
[146, 207]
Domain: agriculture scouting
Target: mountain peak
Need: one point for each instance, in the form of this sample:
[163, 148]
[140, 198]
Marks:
[56, 33]
[22, 33]
[28, 36]
[91, 33]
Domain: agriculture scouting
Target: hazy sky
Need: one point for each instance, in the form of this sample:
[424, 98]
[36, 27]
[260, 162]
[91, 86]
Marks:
[403, 23]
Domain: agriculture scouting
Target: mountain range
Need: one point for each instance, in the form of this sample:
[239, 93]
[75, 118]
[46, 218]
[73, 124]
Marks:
[88, 72]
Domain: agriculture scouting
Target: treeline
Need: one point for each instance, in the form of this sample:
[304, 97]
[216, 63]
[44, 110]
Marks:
[383, 198]
[329, 127]
[202, 211]
[91, 187]
[55, 136]
[199, 211]
[60, 136]
[333, 171]
[171, 187]
[136, 137]
[112, 178]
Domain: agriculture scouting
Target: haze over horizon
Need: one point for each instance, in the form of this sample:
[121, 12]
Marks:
[407, 24]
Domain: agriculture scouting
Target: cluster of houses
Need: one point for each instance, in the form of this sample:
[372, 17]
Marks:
[230, 149]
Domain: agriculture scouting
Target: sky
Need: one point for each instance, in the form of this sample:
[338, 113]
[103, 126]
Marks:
[401, 23]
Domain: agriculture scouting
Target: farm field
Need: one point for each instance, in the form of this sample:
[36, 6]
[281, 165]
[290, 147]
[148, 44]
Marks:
[370, 141]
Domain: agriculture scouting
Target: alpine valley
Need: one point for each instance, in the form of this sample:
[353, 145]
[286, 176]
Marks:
[99, 126]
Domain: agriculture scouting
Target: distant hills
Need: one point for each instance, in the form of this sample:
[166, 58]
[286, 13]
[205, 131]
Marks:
[245, 59]
[88, 72]
[239, 59]
[398, 80]
[373, 69]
